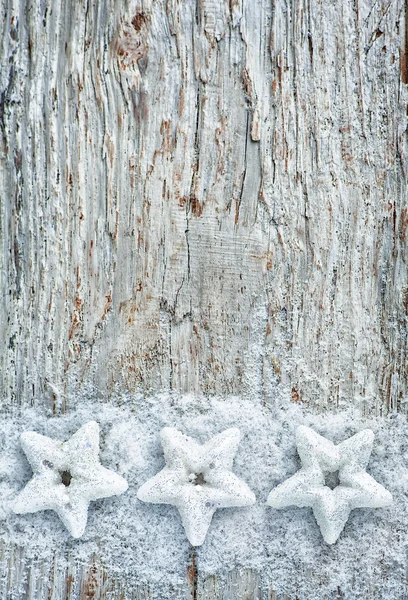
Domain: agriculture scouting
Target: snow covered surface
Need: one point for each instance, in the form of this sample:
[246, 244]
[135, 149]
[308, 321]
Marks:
[331, 504]
[146, 542]
[197, 479]
[66, 476]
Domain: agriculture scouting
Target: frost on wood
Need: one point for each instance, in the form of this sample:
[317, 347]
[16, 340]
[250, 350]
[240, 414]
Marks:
[197, 479]
[313, 487]
[67, 477]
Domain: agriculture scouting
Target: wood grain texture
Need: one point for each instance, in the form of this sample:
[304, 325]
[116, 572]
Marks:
[205, 197]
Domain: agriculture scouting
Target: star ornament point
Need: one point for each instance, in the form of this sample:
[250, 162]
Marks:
[67, 476]
[331, 505]
[197, 479]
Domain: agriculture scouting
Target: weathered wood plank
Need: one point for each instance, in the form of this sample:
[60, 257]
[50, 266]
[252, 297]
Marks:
[204, 197]
[150, 242]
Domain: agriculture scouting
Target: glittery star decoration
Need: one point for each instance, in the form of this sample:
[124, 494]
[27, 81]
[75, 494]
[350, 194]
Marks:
[197, 479]
[333, 499]
[67, 477]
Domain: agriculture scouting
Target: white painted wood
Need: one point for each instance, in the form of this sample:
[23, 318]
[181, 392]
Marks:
[205, 197]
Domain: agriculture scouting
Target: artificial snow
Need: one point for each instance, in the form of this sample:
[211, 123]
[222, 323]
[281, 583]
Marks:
[197, 479]
[139, 542]
[66, 477]
[320, 457]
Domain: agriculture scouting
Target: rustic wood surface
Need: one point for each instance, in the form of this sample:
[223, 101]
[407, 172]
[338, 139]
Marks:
[201, 196]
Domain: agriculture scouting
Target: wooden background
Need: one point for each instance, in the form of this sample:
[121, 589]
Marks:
[201, 196]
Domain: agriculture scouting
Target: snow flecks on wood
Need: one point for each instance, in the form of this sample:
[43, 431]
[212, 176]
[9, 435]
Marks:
[91, 582]
[35, 579]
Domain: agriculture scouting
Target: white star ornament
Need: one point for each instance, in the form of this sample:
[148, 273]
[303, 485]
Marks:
[197, 479]
[67, 477]
[331, 504]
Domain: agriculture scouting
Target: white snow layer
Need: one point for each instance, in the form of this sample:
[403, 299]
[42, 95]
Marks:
[146, 542]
